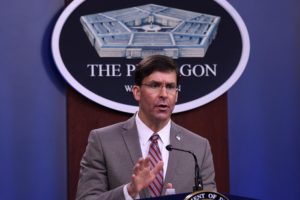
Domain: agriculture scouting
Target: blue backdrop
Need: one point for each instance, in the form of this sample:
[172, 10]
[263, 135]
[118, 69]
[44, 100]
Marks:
[264, 108]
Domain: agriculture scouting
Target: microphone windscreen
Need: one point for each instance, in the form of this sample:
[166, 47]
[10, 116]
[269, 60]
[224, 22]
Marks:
[169, 147]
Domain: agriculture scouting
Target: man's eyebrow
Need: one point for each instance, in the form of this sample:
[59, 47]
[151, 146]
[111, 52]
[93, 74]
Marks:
[154, 81]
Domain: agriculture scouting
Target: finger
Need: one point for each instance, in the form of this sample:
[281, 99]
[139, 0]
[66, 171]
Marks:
[140, 161]
[136, 168]
[147, 161]
[158, 167]
[169, 185]
[143, 163]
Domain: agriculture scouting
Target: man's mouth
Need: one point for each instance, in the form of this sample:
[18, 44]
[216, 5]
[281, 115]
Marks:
[163, 107]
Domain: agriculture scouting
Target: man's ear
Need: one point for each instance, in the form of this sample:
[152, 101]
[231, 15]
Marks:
[136, 90]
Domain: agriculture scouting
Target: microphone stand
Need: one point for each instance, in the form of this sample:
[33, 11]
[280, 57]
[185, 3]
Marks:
[198, 181]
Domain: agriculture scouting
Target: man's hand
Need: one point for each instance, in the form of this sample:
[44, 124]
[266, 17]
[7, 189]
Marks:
[142, 176]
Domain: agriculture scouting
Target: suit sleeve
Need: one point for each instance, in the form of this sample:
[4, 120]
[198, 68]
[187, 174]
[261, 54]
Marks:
[93, 181]
[207, 170]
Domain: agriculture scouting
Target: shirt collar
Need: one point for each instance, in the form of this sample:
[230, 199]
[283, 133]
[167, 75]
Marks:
[145, 132]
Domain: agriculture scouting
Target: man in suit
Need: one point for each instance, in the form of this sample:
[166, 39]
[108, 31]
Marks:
[118, 162]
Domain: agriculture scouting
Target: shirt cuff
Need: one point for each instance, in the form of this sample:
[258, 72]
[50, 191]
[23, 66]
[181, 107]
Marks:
[126, 194]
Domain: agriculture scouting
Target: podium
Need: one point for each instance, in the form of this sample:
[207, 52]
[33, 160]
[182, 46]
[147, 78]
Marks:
[182, 196]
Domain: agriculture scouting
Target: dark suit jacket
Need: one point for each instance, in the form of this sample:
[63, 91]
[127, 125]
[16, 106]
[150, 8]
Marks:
[112, 152]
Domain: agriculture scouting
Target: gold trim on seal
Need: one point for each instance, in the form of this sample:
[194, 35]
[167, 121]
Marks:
[205, 195]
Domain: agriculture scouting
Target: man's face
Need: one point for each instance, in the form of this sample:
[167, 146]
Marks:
[157, 97]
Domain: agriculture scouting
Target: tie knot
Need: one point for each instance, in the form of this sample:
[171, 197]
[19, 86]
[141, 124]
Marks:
[154, 137]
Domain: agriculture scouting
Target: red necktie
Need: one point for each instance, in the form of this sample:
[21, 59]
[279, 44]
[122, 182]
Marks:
[156, 186]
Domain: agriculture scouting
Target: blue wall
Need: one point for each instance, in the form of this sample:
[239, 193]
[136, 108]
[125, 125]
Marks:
[32, 104]
[264, 108]
[264, 105]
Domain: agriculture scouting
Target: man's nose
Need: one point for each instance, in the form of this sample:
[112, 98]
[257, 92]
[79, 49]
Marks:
[163, 91]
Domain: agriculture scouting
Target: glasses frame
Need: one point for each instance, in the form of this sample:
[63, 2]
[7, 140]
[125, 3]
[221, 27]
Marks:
[157, 87]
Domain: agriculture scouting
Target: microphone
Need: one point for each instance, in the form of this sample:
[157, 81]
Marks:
[198, 180]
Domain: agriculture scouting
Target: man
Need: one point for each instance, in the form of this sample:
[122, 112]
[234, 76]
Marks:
[129, 160]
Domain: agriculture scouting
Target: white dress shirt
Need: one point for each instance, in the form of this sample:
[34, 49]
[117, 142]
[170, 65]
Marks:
[145, 133]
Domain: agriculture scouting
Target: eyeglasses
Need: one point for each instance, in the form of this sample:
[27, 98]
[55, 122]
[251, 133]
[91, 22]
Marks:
[156, 87]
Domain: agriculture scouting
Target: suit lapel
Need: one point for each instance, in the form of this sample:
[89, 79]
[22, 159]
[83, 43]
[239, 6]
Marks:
[131, 140]
[174, 157]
